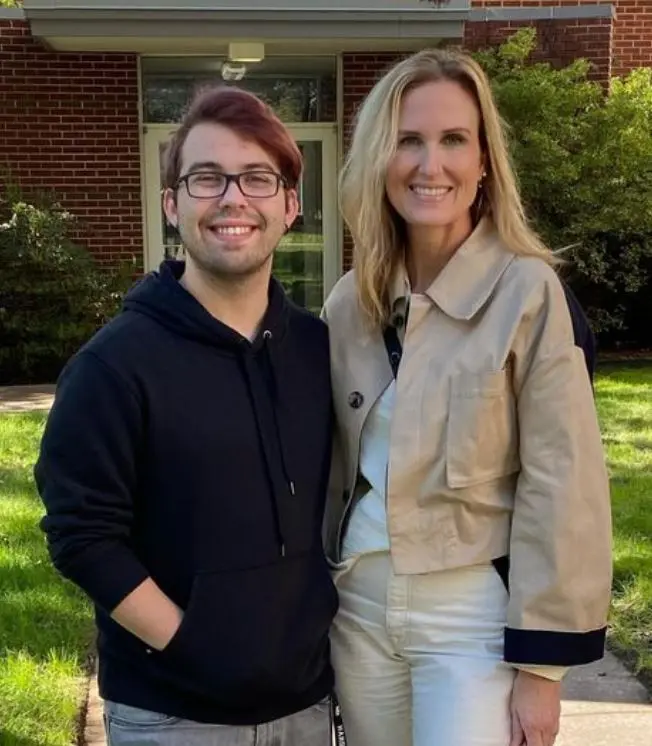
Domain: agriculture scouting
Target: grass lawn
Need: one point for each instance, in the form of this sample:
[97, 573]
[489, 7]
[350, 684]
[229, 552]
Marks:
[45, 625]
[624, 394]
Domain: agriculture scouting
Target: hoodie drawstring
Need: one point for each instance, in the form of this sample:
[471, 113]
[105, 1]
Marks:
[261, 406]
[267, 336]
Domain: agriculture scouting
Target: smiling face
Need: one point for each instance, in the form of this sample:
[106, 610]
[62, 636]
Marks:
[432, 180]
[231, 235]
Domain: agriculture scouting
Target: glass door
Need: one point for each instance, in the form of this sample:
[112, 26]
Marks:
[307, 261]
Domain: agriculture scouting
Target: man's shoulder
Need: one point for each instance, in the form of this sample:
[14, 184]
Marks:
[124, 347]
[306, 323]
[124, 333]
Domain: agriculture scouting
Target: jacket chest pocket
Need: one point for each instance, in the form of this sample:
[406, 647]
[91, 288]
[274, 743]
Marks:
[482, 429]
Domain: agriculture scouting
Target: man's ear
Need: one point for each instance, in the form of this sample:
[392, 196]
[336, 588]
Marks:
[170, 207]
[291, 207]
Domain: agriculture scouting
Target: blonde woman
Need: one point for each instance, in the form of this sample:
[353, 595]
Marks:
[471, 538]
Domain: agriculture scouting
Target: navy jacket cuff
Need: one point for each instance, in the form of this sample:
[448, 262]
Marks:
[541, 647]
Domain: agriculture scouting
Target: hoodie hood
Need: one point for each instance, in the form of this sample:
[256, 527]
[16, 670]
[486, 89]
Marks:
[161, 296]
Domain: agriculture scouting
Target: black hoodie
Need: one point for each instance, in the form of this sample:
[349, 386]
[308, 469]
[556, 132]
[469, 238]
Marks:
[178, 450]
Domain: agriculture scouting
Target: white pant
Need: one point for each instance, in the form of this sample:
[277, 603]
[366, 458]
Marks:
[418, 658]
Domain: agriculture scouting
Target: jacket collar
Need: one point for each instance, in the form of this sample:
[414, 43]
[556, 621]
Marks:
[469, 278]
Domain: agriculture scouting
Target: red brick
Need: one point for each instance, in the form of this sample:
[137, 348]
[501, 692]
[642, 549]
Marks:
[558, 41]
[632, 28]
[73, 124]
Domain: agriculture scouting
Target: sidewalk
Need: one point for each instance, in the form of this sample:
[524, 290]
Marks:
[26, 398]
[603, 704]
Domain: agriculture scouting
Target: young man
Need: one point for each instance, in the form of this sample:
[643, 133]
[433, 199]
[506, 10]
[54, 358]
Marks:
[185, 461]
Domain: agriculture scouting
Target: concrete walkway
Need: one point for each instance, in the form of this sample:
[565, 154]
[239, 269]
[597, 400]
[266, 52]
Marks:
[26, 398]
[603, 704]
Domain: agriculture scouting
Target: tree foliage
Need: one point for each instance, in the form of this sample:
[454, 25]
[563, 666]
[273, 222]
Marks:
[53, 296]
[584, 161]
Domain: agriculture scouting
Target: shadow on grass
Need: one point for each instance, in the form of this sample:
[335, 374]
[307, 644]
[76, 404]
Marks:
[629, 566]
[17, 480]
[618, 367]
[626, 472]
[9, 739]
[635, 423]
[41, 612]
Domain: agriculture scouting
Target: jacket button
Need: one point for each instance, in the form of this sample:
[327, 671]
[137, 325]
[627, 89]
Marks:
[355, 399]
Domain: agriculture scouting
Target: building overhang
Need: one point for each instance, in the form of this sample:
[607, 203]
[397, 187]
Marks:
[285, 26]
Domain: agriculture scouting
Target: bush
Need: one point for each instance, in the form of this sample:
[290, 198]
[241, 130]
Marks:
[584, 161]
[53, 296]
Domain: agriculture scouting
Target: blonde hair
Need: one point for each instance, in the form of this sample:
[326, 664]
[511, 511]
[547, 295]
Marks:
[378, 232]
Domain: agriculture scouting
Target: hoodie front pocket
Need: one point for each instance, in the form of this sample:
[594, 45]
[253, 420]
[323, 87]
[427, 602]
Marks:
[254, 635]
[482, 429]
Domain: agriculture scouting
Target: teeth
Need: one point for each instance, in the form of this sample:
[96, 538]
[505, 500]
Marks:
[232, 230]
[431, 191]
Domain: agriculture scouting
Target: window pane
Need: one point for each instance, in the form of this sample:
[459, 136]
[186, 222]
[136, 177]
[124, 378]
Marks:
[298, 89]
[299, 258]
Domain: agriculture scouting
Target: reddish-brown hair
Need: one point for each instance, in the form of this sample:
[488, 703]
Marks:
[245, 114]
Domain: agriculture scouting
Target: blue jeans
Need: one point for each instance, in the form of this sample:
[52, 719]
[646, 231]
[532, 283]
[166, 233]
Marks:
[130, 726]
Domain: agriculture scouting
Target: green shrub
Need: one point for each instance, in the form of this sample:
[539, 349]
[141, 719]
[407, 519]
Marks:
[584, 161]
[53, 296]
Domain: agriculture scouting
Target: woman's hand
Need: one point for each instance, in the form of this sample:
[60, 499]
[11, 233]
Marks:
[535, 708]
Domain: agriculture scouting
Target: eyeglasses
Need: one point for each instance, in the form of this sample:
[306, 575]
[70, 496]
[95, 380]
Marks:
[212, 184]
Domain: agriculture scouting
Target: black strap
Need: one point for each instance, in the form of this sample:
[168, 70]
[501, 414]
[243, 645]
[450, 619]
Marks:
[393, 347]
[339, 736]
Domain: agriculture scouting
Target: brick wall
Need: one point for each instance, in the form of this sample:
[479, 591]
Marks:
[538, 3]
[69, 124]
[632, 36]
[360, 70]
[359, 73]
[632, 28]
[558, 41]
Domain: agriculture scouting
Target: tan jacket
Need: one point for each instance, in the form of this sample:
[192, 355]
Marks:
[495, 447]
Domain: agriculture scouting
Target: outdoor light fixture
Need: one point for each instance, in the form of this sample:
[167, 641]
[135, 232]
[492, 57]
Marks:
[233, 70]
[246, 51]
[241, 53]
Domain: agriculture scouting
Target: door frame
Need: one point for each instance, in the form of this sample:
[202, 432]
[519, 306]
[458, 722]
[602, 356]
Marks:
[156, 134]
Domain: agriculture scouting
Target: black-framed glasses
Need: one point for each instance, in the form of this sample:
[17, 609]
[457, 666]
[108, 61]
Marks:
[213, 184]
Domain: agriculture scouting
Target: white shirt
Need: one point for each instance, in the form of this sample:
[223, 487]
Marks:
[367, 528]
